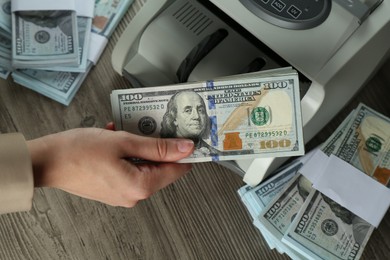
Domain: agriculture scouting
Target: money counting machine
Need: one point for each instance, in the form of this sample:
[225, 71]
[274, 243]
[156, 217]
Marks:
[334, 45]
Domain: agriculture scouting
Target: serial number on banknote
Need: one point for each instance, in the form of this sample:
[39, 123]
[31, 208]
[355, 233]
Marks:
[256, 135]
[143, 108]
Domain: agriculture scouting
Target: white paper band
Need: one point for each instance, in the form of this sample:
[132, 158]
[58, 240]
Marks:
[96, 47]
[85, 8]
[314, 167]
[29, 5]
[349, 187]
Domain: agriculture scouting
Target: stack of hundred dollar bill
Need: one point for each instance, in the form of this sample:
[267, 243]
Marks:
[50, 46]
[298, 220]
[236, 117]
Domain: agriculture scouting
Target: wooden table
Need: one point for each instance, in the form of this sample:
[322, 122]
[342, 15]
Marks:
[198, 217]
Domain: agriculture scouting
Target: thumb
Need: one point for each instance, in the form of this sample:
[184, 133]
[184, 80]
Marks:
[160, 149]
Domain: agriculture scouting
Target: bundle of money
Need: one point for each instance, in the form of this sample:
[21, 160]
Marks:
[5, 18]
[257, 198]
[53, 51]
[5, 38]
[304, 223]
[5, 53]
[44, 37]
[238, 117]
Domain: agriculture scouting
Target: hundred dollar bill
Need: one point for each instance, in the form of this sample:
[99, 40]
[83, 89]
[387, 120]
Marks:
[4, 33]
[5, 15]
[5, 44]
[333, 143]
[260, 196]
[257, 198]
[4, 73]
[84, 25]
[5, 52]
[57, 85]
[325, 230]
[44, 37]
[227, 119]
[108, 14]
[5, 62]
[280, 212]
[366, 145]
[242, 193]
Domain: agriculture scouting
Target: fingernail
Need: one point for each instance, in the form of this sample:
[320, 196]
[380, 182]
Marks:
[185, 145]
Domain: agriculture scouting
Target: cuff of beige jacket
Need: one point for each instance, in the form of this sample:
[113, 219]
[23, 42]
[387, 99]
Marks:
[16, 174]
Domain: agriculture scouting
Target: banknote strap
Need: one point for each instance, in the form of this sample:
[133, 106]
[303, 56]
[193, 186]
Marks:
[85, 8]
[96, 47]
[348, 186]
[28, 5]
[314, 167]
[82, 7]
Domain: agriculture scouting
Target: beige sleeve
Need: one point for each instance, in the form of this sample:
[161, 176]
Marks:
[16, 175]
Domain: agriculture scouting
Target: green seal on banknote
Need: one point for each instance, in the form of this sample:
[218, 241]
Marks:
[373, 144]
[260, 116]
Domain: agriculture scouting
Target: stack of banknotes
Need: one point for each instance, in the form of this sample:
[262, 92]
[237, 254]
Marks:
[52, 49]
[5, 38]
[236, 117]
[298, 220]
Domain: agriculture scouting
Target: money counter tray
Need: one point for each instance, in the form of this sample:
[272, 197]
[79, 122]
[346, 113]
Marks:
[171, 42]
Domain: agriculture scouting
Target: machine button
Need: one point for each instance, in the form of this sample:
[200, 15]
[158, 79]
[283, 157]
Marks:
[278, 5]
[292, 14]
[294, 11]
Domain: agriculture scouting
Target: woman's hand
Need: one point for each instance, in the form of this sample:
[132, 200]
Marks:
[94, 163]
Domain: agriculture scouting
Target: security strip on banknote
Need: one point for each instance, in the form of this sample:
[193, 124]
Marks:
[240, 117]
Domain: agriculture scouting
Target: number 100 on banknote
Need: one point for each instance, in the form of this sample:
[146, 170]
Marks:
[247, 116]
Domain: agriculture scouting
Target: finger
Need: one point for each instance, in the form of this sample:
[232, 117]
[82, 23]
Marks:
[157, 177]
[110, 126]
[158, 149]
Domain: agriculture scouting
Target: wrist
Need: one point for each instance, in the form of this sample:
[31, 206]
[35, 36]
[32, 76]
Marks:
[40, 154]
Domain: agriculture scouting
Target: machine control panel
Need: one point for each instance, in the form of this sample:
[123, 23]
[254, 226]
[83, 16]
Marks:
[290, 14]
[306, 14]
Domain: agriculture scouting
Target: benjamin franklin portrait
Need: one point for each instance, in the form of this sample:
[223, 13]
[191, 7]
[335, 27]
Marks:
[186, 117]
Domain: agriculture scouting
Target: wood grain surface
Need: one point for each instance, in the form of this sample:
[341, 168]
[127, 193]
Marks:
[198, 217]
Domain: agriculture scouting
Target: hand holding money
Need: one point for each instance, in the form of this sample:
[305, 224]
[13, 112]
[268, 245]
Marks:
[92, 153]
[247, 116]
